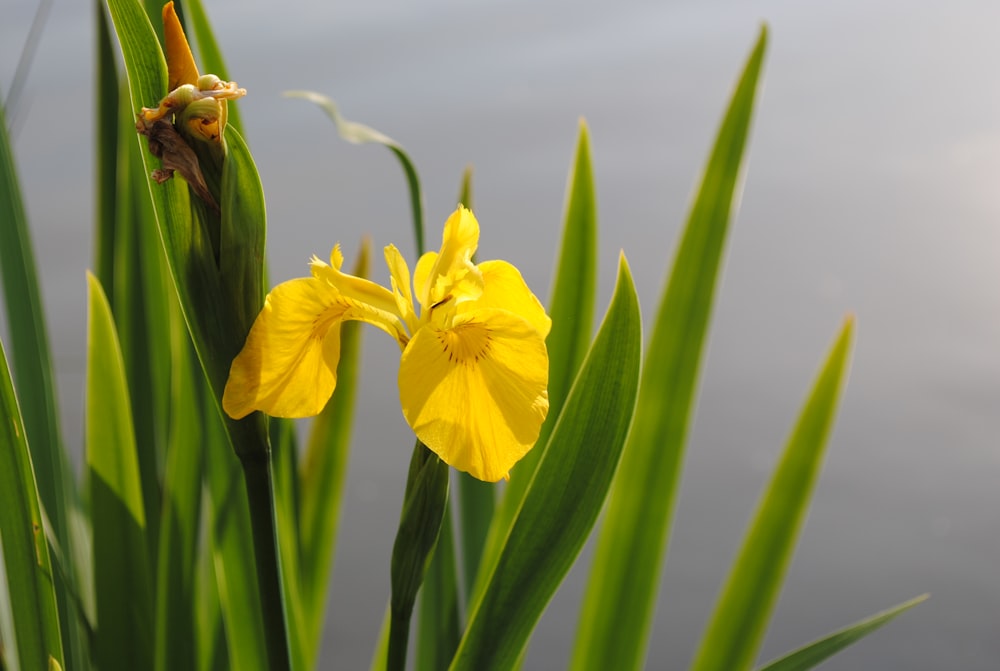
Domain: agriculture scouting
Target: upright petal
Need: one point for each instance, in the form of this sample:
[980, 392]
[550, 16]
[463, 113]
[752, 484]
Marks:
[422, 274]
[475, 393]
[454, 277]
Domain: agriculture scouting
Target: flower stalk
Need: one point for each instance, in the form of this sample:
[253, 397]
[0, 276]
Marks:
[258, 476]
[424, 505]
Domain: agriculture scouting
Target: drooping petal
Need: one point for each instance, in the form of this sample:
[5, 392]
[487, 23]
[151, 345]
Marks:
[453, 277]
[504, 288]
[475, 393]
[377, 302]
[288, 366]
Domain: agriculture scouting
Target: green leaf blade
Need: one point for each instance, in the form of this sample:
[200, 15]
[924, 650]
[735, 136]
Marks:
[31, 368]
[740, 619]
[176, 597]
[425, 502]
[618, 605]
[439, 629]
[232, 547]
[571, 306]
[121, 562]
[566, 493]
[24, 552]
[813, 654]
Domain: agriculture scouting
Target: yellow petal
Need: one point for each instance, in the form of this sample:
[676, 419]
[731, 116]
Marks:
[504, 288]
[399, 274]
[453, 277]
[181, 67]
[369, 302]
[475, 394]
[288, 366]
[422, 273]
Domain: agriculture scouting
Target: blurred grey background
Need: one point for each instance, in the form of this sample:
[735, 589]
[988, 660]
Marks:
[871, 187]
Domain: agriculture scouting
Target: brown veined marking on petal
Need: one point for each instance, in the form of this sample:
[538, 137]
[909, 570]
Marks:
[347, 309]
[181, 68]
[324, 320]
[441, 302]
[466, 344]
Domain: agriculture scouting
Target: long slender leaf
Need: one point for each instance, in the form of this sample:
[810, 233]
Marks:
[210, 635]
[177, 643]
[574, 288]
[106, 144]
[24, 552]
[31, 368]
[232, 548]
[618, 604]
[438, 631]
[284, 457]
[425, 502]
[740, 619]
[811, 655]
[357, 133]
[121, 565]
[381, 652]
[566, 493]
[572, 311]
[323, 474]
[138, 301]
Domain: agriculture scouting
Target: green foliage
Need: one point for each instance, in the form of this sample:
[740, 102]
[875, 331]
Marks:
[737, 627]
[31, 367]
[206, 543]
[618, 606]
[25, 570]
[813, 654]
[121, 549]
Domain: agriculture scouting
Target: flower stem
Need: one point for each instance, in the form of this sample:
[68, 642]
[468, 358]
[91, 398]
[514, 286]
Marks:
[260, 493]
[424, 506]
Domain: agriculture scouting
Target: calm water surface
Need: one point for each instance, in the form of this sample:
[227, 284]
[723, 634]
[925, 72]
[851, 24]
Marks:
[871, 187]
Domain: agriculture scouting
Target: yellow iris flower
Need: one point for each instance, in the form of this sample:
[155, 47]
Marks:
[474, 371]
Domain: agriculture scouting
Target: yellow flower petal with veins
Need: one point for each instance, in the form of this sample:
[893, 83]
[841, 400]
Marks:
[475, 393]
[288, 366]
